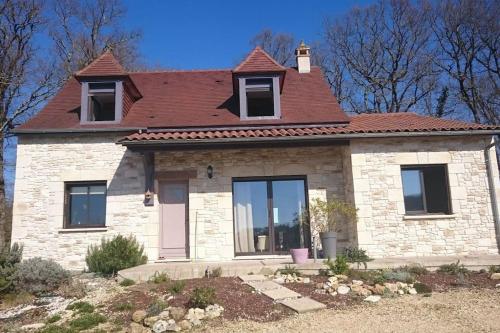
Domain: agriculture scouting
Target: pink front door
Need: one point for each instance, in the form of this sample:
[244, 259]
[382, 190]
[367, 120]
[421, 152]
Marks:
[173, 198]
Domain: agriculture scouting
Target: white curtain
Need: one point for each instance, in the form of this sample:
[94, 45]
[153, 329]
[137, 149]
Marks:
[244, 219]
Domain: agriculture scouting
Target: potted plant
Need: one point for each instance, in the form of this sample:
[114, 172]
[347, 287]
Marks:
[300, 255]
[324, 216]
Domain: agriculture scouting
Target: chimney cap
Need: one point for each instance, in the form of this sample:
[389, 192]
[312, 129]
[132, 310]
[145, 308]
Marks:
[302, 50]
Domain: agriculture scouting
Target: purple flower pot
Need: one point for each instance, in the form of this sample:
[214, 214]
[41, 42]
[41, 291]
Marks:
[299, 256]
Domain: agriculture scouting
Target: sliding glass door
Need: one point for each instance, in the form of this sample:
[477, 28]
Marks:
[268, 214]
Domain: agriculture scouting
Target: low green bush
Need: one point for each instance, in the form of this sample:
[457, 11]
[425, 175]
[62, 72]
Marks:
[289, 270]
[202, 297]
[357, 256]
[422, 288]
[216, 272]
[453, 269]
[81, 307]
[115, 254]
[10, 257]
[53, 319]
[397, 275]
[127, 282]
[339, 266]
[177, 287]
[123, 307]
[494, 269]
[156, 307]
[368, 276]
[56, 329]
[40, 276]
[87, 321]
[158, 278]
[415, 269]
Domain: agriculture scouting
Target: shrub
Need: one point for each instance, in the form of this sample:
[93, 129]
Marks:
[289, 270]
[53, 319]
[217, 272]
[339, 266]
[81, 307]
[124, 307]
[156, 307]
[73, 289]
[10, 257]
[453, 269]
[422, 288]
[202, 297]
[39, 276]
[356, 255]
[159, 278]
[177, 287]
[87, 321]
[415, 269]
[56, 329]
[115, 254]
[127, 282]
[494, 269]
[369, 276]
[398, 275]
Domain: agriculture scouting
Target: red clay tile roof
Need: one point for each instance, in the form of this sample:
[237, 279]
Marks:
[105, 65]
[258, 61]
[366, 123]
[196, 98]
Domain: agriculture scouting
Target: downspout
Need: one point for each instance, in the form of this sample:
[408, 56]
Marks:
[491, 185]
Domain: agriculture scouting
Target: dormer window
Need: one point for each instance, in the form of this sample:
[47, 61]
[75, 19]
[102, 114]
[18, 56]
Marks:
[101, 102]
[259, 98]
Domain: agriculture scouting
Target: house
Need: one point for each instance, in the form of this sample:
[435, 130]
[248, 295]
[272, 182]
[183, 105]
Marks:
[217, 165]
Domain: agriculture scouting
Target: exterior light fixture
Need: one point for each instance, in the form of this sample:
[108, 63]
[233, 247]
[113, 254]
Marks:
[210, 172]
[148, 195]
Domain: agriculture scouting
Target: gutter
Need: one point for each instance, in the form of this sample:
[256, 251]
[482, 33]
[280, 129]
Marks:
[492, 189]
[311, 138]
[75, 130]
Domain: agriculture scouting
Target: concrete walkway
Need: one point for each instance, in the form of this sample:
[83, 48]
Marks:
[189, 269]
[281, 294]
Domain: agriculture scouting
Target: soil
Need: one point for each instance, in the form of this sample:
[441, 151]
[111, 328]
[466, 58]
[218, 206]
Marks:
[440, 282]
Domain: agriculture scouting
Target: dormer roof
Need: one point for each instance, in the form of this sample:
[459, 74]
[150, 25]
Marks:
[105, 65]
[258, 61]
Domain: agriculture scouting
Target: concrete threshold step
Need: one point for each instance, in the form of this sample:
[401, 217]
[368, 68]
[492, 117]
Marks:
[303, 304]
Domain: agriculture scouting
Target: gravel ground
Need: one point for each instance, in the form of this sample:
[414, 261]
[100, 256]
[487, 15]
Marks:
[465, 310]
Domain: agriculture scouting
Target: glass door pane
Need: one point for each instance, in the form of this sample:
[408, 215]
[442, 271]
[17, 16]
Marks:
[251, 219]
[288, 206]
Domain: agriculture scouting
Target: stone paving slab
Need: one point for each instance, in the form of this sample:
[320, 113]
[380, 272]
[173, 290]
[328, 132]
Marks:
[280, 294]
[252, 277]
[263, 285]
[302, 305]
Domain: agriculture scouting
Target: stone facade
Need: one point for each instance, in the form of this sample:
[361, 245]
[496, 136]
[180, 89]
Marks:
[370, 178]
[384, 230]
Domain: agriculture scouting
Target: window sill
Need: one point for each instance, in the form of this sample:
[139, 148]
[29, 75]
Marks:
[70, 230]
[430, 217]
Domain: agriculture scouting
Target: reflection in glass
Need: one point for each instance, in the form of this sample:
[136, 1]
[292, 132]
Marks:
[412, 189]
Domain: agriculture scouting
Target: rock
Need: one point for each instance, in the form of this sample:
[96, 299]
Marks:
[402, 285]
[341, 277]
[497, 285]
[194, 315]
[32, 327]
[306, 280]
[149, 321]
[343, 289]
[319, 285]
[379, 289]
[184, 325]
[165, 326]
[357, 282]
[213, 311]
[165, 315]
[137, 328]
[320, 291]
[177, 312]
[279, 280]
[138, 316]
[372, 299]
[393, 288]
[401, 292]
[495, 276]
[333, 279]
[412, 291]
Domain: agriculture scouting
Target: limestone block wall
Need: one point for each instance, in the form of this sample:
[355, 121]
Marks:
[383, 228]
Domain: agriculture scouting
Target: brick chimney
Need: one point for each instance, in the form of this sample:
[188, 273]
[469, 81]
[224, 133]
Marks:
[303, 55]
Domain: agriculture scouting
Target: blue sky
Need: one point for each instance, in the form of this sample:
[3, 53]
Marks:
[216, 34]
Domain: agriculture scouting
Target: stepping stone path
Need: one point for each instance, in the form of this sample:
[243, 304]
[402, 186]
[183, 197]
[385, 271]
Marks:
[280, 294]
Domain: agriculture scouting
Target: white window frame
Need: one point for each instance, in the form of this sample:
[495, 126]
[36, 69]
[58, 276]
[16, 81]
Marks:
[243, 97]
[85, 102]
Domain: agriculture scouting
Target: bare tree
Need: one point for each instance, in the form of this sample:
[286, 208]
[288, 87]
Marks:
[25, 81]
[382, 55]
[278, 45]
[468, 35]
[83, 29]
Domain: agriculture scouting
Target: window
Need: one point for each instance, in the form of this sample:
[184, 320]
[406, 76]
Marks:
[259, 98]
[259, 232]
[425, 189]
[101, 101]
[85, 205]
